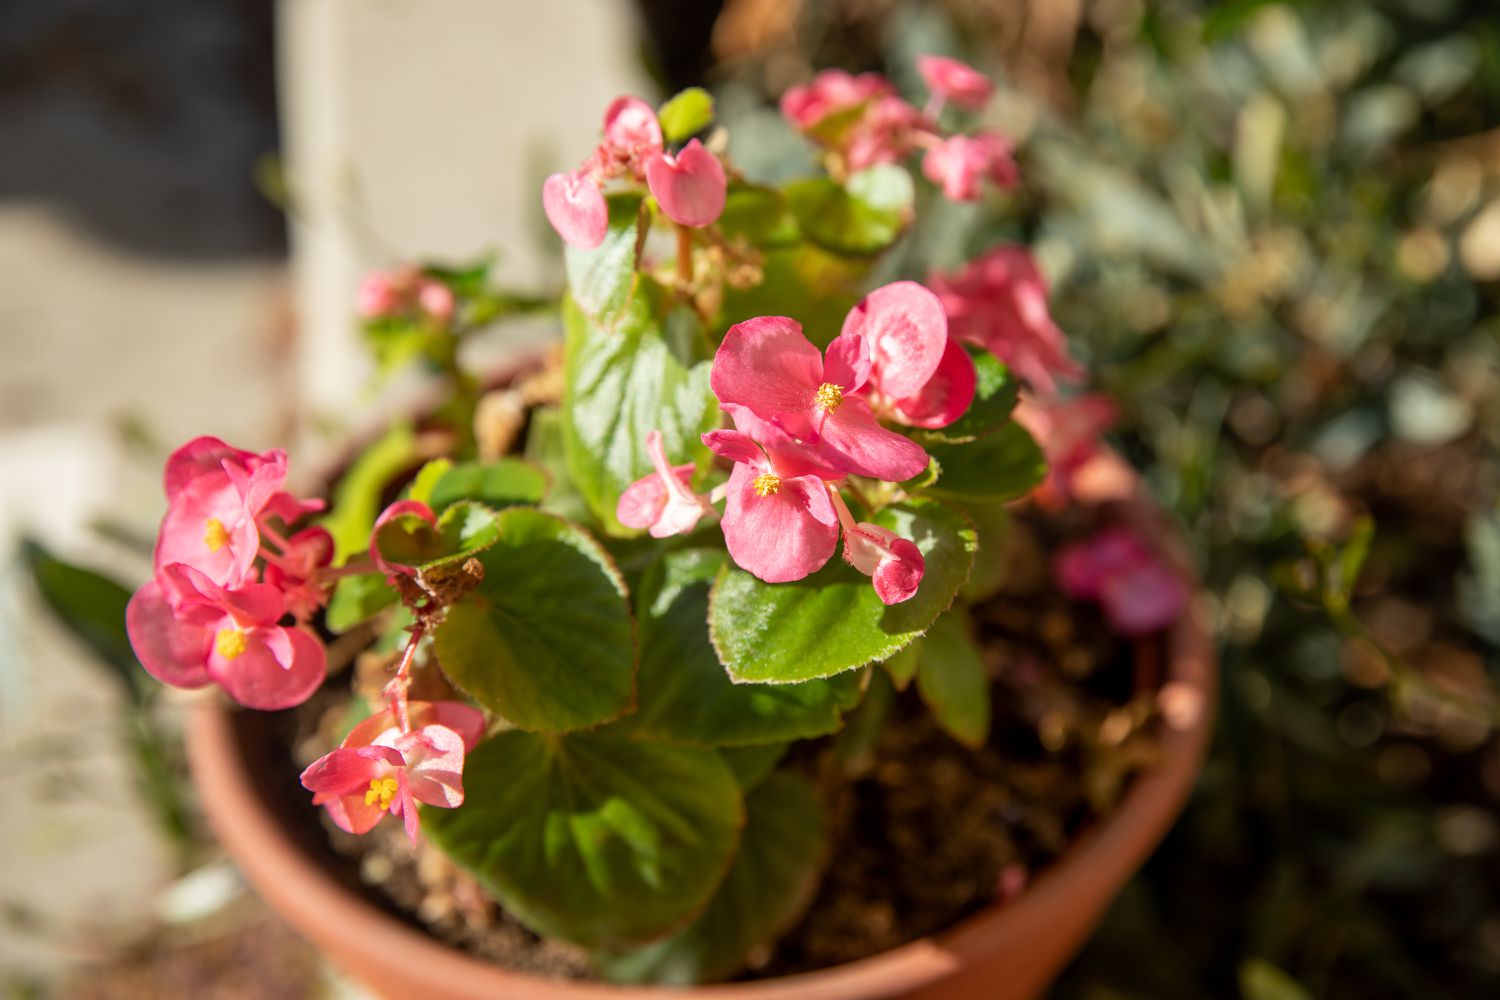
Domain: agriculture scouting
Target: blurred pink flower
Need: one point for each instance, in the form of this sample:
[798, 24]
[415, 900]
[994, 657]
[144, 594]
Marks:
[960, 164]
[575, 206]
[955, 81]
[215, 494]
[1071, 433]
[1140, 593]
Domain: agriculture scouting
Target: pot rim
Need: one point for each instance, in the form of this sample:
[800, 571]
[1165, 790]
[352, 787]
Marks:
[1108, 851]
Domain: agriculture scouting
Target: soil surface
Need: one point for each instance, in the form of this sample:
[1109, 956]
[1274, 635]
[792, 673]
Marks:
[926, 831]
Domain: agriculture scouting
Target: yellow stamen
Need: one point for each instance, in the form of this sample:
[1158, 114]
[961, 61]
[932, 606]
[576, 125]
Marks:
[215, 535]
[229, 643]
[767, 485]
[382, 791]
[830, 395]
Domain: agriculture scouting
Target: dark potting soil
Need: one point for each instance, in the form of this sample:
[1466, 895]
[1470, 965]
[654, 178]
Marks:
[925, 830]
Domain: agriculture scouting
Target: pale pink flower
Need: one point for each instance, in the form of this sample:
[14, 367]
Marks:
[999, 302]
[767, 366]
[378, 297]
[631, 129]
[831, 91]
[380, 769]
[1139, 592]
[954, 81]
[662, 501]
[1071, 433]
[918, 375]
[778, 524]
[576, 208]
[227, 636]
[960, 164]
[894, 564]
[401, 291]
[690, 186]
[436, 300]
[859, 116]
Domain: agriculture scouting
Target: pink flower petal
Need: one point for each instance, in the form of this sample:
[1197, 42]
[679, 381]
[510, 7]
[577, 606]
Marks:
[631, 127]
[576, 208]
[767, 365]
[955, 81]
[907, 331]
[784, 455]
[847, 361]
[898, 577]
[946, 396]
[434, 765]
[852, 439]
[690, 186]
[278, 668]
[1082, 567]
[783, 535]
[173, 651]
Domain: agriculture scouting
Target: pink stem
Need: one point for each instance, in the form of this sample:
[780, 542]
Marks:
[396, 689]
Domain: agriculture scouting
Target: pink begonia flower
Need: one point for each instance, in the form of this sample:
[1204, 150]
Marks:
[294, 571]
[831, 91]
[631, 129]
[884, 134]
[374, 772]
[1071, 433]
[215, 494]
[918, 375]
[960, 163]
[767, 366]
[224, 636]
[999, 302]
[436, 300]
[1139, 592]
[954, 81]
[400, 291]
[894, 564]
[778, 525]
[378, 296]
[663, 500]
[690, 186]
[576, 208]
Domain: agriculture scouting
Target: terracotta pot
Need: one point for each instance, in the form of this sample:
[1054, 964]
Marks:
[1012, 950]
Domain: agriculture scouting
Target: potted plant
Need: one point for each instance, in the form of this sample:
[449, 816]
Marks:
[624, 680]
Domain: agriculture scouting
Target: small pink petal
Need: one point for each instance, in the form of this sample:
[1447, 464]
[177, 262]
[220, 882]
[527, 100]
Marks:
[631, 127]
[852, 439]
[955, 81]
[782, 536]
[897, 578]
[434, 765]
[907, 331]
[576, 208]
[847, 362]
[958, 165]
[767, 365]
[279, 668]
[436, 300]
[173, 651]
[946, 396]
[690, 187]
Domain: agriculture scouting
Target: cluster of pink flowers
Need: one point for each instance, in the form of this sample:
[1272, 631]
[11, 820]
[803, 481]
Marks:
[1139, 591]
[863, 121]
[209, 615]
[404, 291]
[805, 420]
[689, 184]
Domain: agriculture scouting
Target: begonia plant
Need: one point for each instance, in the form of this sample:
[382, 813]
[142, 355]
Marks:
[767, 476]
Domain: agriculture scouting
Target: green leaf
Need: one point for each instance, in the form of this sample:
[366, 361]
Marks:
[547, 450]
[357, 498]
[804, 281]
[648, 373]
[594, 839]
[1000, 466]
[759, 214]
[833, 621]
[464, 529]
[546, 639]
[994, 399]
[992, 523]
[420, 488]
[952, 680]
[752, 765]
[902, 668]
[685, 115]
[1260, 980]
[358, 599]
[862, 217]
[508, 482]
[685, 695]
[92, 607]
[775, 871]
[601, 280]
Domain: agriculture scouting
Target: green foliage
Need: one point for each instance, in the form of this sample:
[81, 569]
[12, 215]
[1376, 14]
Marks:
[357, 496]
[685, 695]
[833, 621]
[591, 838]
[357, 599]
[861, 217]
[647, 372]
[994, 399]
[462, 530]
[951, 679]
[550, 650]
[775, 870]
[685, 115]
[1004, 465]
[601, 280]
[758, 214]
[507, 482]
[92, 606]
[753, 764]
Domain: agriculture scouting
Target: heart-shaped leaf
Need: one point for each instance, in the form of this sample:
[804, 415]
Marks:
[833, 621]
[685, 115]
[650, 372]
[685, 695]
[464, 529]
[509, 482]
[775, 871]
[594, 839]
[862, 217]
[546, 639]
